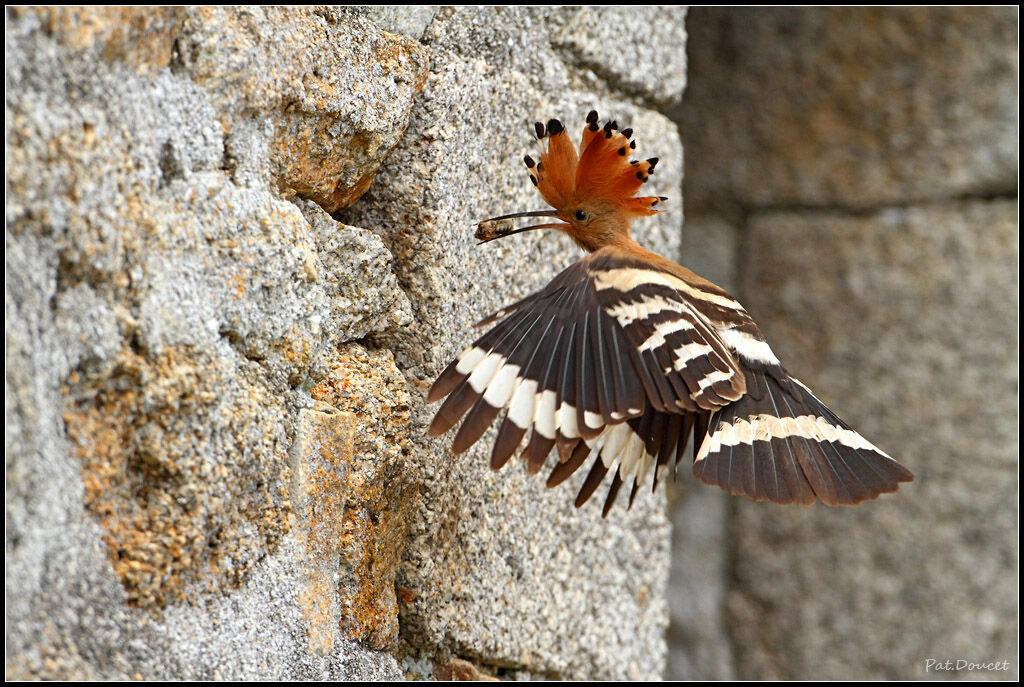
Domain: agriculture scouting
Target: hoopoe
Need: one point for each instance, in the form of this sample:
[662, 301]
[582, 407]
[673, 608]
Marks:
[625, 354]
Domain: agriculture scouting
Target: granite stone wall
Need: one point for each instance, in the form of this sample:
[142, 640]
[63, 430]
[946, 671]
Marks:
[238, 249]
[852, 176]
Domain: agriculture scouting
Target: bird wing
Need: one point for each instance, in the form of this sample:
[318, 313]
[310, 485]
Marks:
[608, 358]
[780, 443]
[619, 359]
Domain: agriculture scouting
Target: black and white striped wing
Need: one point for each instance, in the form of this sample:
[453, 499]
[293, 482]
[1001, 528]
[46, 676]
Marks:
[602, 362]
[616, 362]
[782, 444]
[632, 451]
[779, 442]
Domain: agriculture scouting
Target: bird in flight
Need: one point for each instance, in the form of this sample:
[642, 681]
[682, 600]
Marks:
[625, 354]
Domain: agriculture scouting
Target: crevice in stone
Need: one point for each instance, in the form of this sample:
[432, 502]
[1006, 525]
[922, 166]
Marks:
[610, 82]
[747, 211]
[730, 575]
[170, 164]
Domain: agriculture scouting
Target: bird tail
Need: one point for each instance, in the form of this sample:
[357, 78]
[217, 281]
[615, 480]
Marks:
[780, 443]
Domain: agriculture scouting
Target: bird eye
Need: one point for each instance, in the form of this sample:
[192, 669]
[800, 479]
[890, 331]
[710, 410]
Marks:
[581, 215]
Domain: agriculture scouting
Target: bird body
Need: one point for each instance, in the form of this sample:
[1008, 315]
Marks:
[625, 354]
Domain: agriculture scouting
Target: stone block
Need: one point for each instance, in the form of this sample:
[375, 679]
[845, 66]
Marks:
[848, 106]
[908, 332]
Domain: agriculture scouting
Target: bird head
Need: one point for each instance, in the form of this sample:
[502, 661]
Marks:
[592, 191]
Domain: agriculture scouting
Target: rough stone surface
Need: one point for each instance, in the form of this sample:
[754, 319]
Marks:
[216, 466]
[852, 106]
[406, 20]
[907, 332]
[371, 395]
[156, 437]
[164, 322]
[653, 68]
[331, 89]
[588, 593]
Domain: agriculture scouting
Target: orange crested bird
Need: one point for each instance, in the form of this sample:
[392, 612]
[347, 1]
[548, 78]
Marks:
[625, 353]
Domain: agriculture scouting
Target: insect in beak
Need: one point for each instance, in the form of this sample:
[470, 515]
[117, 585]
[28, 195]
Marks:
[499, 227]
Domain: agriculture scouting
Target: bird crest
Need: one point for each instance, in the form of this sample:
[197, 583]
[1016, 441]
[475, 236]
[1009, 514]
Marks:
[625, 354]
[601, 172]
[592, 189]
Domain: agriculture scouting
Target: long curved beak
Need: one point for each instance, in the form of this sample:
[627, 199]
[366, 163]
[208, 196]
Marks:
[500, 227]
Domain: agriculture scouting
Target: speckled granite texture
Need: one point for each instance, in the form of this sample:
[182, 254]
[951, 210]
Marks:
[238, 246]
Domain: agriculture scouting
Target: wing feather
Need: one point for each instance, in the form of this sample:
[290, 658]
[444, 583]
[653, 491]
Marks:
[618, 361]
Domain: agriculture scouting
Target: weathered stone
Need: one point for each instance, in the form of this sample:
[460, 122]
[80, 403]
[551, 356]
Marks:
[851, 106]
[164, 317]
[370, 394]
[335, 90]
[176, 291]
[406, 20]
[140, 37]
[907, 332]
[257, 631]
[461, 670]
[653, 68]
[352, 494]
[319, 459]
[588, 593]
[162, 441]
[354, 269]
